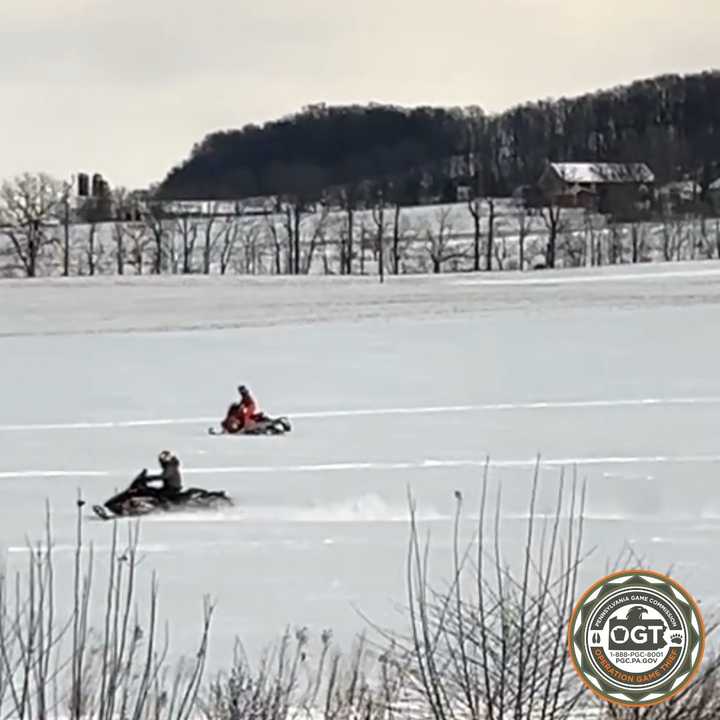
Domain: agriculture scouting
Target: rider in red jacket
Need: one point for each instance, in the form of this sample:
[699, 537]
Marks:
[242, 415]
[248, 406]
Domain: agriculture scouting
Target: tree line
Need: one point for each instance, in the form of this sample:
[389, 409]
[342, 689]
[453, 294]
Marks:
[423, 154]
[41, 235]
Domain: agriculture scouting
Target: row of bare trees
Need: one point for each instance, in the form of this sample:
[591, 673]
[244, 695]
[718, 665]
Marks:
[37, 237]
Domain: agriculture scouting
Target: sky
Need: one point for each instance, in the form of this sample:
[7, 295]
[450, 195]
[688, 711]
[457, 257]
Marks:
[127, 87]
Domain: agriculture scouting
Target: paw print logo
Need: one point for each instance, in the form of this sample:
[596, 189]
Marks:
[676, 639]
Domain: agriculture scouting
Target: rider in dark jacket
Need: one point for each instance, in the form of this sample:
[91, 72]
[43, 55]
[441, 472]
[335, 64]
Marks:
[169, 475]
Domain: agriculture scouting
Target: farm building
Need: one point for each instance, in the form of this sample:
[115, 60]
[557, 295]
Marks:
[604, 187]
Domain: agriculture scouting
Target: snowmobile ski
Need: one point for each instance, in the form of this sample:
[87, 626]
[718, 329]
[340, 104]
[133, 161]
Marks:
[102, 513]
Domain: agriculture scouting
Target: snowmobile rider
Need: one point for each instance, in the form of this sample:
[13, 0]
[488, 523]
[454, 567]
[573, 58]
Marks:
[242, 415]
[169, 475]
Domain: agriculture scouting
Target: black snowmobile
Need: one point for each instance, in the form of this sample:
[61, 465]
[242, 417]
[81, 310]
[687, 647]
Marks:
[141, 499]
[264, 425]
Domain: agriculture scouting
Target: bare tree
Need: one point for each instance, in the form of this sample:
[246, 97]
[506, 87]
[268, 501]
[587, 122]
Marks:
[126, 210]
[671, 234]
[251, 259]
[210, 239]
[490, 234]
[319, 223]
[524, 220]
[291, 222]
[139, 238]
[397, 239]
[295, 211]
[475, 129]
[502, 253]
[229, 235]
[93, 249]
[638, 240]
[349, 200]
[439, 242]
[475, 204]
[156, 223]
[303, 188]
[378, 214]
[92, 213]
[615, 249]
[29, 204]
[219, 232]
[475, 208]
[592, 237]
[272, 229]
[118, 231]
[363, 244]
[187, 228]
[552, 215]
[66, 193]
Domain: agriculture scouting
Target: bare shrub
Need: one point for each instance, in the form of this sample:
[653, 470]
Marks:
[493, 644]
[77, 665]
[289, 684]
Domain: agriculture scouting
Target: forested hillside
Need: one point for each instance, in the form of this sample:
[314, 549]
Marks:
[670, 122]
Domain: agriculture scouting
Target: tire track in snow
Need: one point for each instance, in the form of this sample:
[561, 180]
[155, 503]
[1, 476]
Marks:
[427, 464]
[578, 279]
[328, 414]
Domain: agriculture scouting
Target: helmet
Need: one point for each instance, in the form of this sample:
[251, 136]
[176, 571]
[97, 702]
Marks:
[242, 389]
[165, 457]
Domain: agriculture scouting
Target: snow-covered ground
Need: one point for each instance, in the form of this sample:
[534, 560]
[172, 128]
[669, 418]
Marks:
[409, 384]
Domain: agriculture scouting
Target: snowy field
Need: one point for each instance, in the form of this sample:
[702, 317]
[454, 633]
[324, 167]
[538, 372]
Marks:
[408, 384]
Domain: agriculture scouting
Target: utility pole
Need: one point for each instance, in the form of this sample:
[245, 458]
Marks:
[66, 230]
